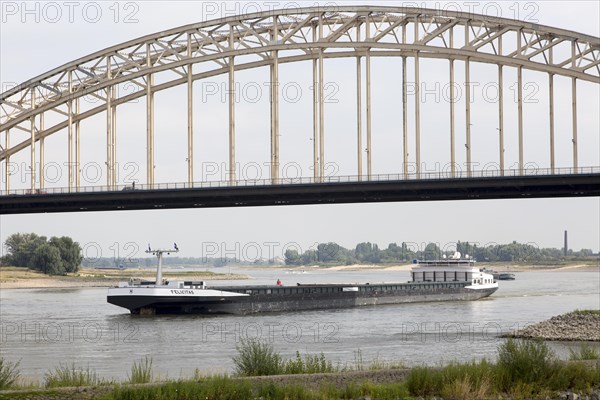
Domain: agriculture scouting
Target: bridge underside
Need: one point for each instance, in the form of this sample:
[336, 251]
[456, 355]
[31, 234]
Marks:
[337, 193]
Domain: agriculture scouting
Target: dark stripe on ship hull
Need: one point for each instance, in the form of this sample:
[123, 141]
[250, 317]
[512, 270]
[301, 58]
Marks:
[298, 302]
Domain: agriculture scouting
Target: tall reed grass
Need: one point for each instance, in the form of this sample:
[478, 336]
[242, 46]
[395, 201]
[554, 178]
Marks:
[9, 373]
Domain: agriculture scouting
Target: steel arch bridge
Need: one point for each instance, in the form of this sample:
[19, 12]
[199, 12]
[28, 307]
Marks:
[225, 46]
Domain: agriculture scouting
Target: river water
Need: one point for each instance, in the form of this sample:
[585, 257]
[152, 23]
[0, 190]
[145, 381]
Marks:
[44, 327]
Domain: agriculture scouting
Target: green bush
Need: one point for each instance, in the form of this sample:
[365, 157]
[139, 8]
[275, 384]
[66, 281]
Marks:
[390, 391]
[474, 378]
[256, 358]
[141, 371]
[71, 376]
[9, 373]
[273, 391]
[528, 362]
[310, 364]
[424, 381]
[575, 376]
[455, 381]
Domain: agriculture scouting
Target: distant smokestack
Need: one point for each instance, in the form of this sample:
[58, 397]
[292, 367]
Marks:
[566, 248]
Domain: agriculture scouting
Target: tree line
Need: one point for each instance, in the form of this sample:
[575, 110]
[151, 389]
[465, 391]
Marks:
[61, 255]
[54, 256]
[370, 253]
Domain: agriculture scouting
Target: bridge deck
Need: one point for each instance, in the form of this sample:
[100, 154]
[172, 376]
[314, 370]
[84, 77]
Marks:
[506, 187]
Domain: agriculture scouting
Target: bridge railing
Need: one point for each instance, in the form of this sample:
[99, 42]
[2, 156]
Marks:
[443, 175]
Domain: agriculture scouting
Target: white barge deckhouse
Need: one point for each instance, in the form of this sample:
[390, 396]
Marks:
[442, 280]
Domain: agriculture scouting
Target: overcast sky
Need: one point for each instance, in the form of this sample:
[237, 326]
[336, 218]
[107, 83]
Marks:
[35, 38]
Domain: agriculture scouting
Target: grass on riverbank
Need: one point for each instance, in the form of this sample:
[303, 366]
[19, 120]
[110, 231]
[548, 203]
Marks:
[71, 376]
[257, 358]
[584, 352]
[586, 312]
[224, 387]
[141, 371]
[524, 369]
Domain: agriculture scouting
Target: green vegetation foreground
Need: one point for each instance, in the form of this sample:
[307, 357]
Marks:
[524, 369]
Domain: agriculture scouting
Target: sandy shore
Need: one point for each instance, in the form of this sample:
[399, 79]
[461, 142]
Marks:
[407, 267]
[19, 278]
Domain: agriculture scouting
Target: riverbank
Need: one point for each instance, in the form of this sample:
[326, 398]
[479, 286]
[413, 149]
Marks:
[574, 326]
[524, 369]
[23, 278]
[466, 381]
[499, 267]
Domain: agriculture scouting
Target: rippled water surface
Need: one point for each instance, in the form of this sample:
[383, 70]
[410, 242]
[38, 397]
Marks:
[44, 327]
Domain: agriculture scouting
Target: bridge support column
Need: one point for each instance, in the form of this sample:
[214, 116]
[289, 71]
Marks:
[520, 117]
[275, 106]
[500, 110]
[108, 137]
[149, 122]
[232, 174]
[468, 114]
[190, 115]
[70, 134]
[501, 118]
[42, 153]
[114, 140]
[369, 105]
[321, 104]
[520, 101]
[315, 112]
[551, 115]
[359, 110]
[404, 109]
[417, 105]
[110, 151]
[77, 149]
[7, 162]
[109, 128]
[574, 103]
[32, 144]
[452, 119]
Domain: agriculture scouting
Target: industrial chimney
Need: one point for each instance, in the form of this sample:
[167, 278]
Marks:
[566, 248]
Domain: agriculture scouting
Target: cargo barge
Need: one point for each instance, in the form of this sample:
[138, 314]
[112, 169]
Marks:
[453, 279]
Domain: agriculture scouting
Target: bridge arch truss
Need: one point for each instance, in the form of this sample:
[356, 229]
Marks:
[269, 39]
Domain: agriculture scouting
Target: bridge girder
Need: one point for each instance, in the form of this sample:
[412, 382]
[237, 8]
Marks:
[477, 188]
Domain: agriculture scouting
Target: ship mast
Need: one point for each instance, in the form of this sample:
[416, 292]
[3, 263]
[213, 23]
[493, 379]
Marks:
[159, 254]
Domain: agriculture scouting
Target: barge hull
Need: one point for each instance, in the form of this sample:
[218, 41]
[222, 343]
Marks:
[281, 303]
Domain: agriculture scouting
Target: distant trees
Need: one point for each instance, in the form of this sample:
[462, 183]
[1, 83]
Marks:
[370, 253]
[56, 256]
